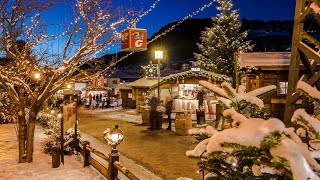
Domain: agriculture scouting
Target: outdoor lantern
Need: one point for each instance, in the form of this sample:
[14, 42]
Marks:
[134, 39]
[158, 54]
[68, 86]
[114, 136]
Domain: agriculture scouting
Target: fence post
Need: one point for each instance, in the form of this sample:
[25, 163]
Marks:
[113, 171]
[55, 152]
[86, 153]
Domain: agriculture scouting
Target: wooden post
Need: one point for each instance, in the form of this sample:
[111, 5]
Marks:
[113, 171]
[76, 124]
[55, 153]
[86, 153]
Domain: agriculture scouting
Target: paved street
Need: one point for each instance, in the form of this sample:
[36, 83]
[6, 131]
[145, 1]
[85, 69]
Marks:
[162, 151]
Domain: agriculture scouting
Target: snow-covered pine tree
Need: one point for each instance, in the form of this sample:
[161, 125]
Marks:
[261, 149]
[249, 104]
[220, 43]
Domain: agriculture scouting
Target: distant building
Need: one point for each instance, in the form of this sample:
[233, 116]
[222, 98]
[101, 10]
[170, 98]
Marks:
[268, 68]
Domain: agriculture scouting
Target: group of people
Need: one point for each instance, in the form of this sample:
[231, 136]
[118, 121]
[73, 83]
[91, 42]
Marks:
[98, 101]
[155, 118]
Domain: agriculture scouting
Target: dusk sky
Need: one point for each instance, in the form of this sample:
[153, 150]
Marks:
[167, 11]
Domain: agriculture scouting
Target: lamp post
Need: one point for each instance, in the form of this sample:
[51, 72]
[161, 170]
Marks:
[113, 137]
[158, 56]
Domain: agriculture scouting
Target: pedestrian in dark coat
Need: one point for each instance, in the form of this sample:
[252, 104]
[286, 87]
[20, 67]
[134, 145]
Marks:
[169, 107]
[153, 112]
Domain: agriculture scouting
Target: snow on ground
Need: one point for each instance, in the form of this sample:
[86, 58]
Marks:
[41, 167]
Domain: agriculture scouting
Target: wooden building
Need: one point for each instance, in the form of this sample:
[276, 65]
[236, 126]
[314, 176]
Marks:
[183, 86]
[268, 68]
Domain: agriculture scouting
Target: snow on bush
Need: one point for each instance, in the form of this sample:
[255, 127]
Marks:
[260, 147]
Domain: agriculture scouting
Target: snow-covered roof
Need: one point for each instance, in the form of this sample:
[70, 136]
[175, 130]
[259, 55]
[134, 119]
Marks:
[144, 83]
[201, 73]
[265, 59]
[97, 88]
[153, 82]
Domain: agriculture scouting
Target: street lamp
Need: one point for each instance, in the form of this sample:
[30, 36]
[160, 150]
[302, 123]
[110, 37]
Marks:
[158, 56]
[113, 137]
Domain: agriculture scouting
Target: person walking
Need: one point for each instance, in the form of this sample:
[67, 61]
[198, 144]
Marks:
[90, 99]
[169, 106]
[153, 112]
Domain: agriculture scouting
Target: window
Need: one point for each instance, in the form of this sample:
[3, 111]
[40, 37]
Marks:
[129, 95]
[283, 87]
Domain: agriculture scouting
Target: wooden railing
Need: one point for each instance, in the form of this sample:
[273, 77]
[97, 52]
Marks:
[114, 166]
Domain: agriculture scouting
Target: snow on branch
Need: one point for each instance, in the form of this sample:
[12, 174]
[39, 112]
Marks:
[262, 90]
[235, 116]
[299, 159]
[249, 133]
[308, 90]
[310, 123]
[214, 88]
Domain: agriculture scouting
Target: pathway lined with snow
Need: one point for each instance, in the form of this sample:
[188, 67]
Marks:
[41, 167]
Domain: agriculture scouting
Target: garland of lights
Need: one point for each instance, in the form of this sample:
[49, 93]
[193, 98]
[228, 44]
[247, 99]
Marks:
[158, 36]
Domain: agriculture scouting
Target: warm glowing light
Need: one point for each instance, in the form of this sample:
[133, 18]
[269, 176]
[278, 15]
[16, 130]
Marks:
[69, 86]
[37, 76]
[158, 54]
[59, 116]
[52, 111]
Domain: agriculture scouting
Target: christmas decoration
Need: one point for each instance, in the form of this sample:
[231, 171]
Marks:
[256, 148]
[220, 43]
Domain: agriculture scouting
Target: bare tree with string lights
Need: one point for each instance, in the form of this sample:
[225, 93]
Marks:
[32, 72]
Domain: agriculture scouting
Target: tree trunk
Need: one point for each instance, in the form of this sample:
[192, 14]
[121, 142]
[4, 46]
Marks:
[22, 132]
[30, 135]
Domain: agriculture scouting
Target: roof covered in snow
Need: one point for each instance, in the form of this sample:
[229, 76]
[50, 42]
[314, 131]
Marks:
[144, 83]
[153, 82]
[265, 59]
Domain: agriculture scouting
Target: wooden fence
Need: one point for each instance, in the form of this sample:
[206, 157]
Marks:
[114, 166]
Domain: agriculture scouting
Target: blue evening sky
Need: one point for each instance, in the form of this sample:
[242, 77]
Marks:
[167, 11]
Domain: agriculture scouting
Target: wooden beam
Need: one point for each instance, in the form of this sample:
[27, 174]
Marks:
[306, 63]
[309, 52]
[102, 169]
[125, 171]
[295, 60]
[314, 79]
[304, 15]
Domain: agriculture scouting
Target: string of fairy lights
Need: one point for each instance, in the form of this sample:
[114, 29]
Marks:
[156, 37]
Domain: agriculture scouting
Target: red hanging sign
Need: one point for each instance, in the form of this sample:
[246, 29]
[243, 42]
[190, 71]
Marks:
[134, 39]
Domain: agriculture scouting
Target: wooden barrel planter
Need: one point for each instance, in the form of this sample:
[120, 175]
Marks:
[183, 123]
[145, 115]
